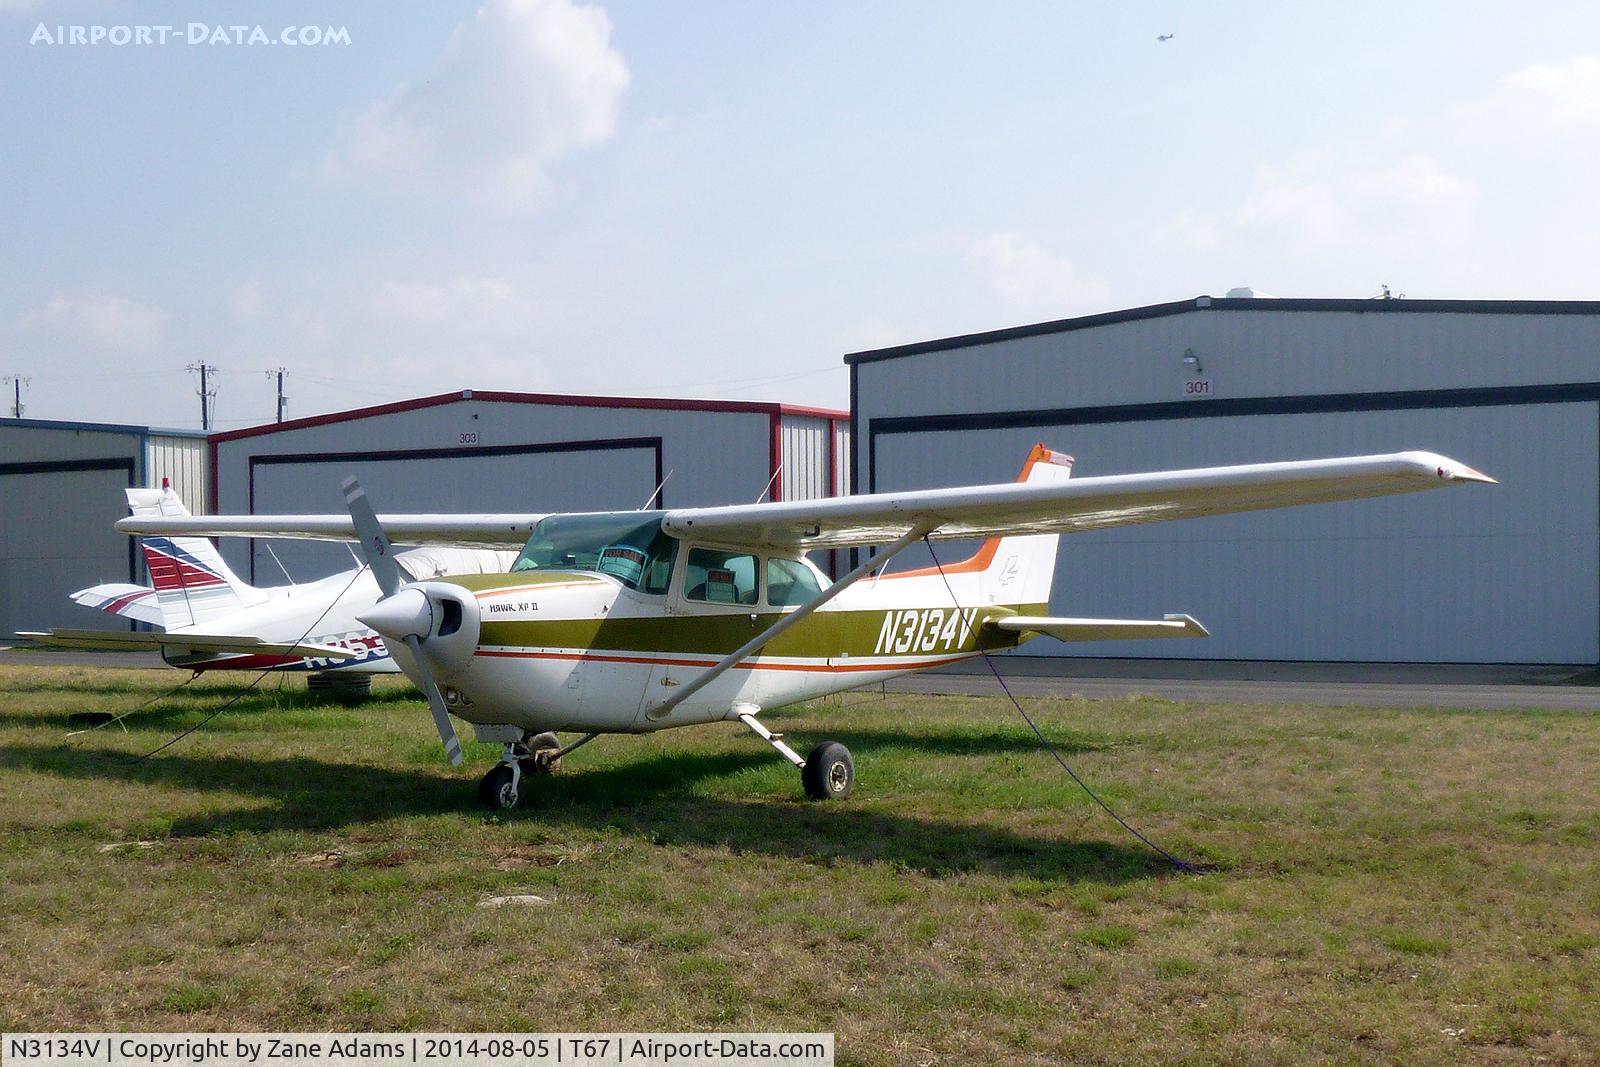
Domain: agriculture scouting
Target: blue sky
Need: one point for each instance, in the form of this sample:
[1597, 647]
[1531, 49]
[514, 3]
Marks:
[722, 199]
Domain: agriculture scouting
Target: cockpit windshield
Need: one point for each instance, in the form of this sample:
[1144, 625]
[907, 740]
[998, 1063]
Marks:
[631, 548]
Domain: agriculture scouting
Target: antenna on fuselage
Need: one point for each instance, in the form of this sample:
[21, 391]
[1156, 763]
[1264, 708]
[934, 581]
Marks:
[268, 546]
[657, 494]
[770, 482]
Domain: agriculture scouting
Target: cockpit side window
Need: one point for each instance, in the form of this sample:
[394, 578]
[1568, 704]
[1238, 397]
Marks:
[713, 576]
[790, 582]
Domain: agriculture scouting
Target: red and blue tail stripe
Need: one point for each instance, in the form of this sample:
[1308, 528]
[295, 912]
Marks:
[172, 568]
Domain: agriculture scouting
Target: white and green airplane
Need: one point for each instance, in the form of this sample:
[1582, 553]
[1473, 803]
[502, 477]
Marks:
[635, 621]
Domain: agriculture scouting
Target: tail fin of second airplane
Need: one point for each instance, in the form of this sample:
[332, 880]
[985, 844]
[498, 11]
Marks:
[192, 582]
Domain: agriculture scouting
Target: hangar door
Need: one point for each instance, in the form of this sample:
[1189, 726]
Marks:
[1506, 573]
[577, 476]
[56, 537]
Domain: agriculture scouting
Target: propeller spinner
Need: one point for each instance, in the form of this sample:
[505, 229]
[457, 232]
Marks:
[401, 614]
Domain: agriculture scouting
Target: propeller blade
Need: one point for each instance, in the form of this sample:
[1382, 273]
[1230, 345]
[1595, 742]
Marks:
[375, 548]
[403, 618]
[441, 716]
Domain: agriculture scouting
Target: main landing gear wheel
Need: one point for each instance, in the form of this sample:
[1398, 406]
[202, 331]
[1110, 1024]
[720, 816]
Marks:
[543, 755]
[829, 773]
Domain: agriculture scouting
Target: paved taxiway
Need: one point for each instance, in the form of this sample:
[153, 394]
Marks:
[1367, 685]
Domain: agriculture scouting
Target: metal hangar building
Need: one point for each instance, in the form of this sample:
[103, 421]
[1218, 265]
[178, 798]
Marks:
[61, 489]
[536, 452]
[1482, 574]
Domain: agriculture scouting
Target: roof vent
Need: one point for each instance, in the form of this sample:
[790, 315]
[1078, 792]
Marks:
[1244, 292]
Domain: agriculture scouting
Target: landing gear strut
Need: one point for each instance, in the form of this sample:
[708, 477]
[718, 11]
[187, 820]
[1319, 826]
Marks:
[827, 774]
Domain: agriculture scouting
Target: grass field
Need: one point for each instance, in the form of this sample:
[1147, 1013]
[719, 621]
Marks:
[1412, 886]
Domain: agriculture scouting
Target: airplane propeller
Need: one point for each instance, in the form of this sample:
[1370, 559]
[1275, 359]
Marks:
[402, 614]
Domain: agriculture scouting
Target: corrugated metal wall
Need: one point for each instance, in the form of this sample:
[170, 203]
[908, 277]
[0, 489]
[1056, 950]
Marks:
[805, 473]
[183, 460]
[841, 458]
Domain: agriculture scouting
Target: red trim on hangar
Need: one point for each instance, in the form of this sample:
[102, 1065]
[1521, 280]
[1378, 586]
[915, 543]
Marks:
[755, 407]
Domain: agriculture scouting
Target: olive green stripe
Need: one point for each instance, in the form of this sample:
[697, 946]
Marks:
[823, 635]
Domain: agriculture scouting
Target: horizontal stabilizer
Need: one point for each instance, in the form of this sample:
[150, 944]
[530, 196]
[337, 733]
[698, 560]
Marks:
[180, 644]
[1102, 629]
[136, 602]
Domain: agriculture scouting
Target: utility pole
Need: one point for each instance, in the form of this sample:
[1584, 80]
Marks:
[17, 382]
[282, 400]
[207, 392]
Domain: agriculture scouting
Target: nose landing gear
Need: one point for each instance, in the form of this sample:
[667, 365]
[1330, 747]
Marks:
[504, 788]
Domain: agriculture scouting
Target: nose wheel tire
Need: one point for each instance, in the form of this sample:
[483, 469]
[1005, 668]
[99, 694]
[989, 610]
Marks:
[829, 773]
[501, 789]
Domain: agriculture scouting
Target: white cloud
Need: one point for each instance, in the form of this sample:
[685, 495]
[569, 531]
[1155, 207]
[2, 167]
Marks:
[521, 84]
[1322, 205]
[477, 307]
[108, 322]
[246, 300]
[1546, 96]
[1030, 281]
[1196, 230]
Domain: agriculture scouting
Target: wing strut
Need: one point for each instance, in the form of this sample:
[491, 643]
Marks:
[660, 711]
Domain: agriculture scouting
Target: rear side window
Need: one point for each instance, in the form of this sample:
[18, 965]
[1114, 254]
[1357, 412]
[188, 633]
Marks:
[789, 583]
[717, 577]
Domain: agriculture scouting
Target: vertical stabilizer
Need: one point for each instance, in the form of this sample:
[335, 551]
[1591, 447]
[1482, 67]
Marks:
[192, 583]
[1021, 569]
[1017, 569]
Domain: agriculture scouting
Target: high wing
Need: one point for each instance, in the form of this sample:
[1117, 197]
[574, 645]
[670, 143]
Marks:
[879, 518]
[463, 531]
[182, 644]
[1066, 507]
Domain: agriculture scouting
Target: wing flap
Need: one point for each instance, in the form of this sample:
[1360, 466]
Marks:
[1067, 507]
[181, 643]
[1102, 629]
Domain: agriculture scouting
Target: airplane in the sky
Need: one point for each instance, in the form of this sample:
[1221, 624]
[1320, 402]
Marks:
[636, 621]
[213, 620]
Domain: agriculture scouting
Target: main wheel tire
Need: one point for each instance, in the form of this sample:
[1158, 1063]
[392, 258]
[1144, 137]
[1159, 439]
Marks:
[542, 759]
[829, 773]
[494, 789]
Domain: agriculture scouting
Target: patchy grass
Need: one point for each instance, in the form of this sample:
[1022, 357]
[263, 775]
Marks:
[1418, 886]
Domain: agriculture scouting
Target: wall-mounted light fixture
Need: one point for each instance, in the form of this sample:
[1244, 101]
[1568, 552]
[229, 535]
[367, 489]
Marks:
[1191, 362]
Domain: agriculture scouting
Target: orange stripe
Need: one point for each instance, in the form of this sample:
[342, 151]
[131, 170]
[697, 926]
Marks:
[747, 665]
[531, 588]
